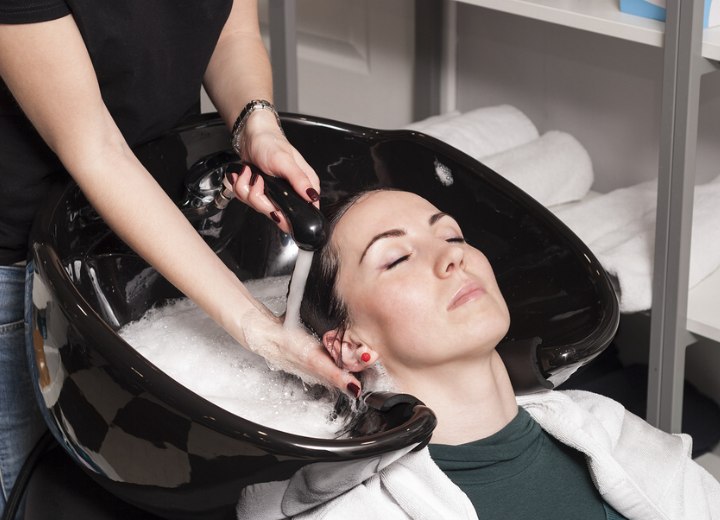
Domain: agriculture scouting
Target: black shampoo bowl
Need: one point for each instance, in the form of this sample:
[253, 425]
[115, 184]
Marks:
[157, 445]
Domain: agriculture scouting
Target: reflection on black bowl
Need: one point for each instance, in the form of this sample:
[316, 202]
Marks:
[156, 444]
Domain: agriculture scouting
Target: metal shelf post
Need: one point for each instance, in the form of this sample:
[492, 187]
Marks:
[676, 182]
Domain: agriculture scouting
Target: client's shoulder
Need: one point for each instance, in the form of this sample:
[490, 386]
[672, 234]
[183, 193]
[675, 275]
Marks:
[571, 412]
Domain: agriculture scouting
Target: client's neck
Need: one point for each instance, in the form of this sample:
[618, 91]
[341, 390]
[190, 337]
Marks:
[471, 401]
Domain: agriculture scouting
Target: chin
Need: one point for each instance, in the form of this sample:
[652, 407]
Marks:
[491, 330]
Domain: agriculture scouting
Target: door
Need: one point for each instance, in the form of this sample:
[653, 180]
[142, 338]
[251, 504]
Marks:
[355, 60]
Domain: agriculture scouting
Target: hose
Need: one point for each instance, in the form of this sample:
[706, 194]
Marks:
[18, 490]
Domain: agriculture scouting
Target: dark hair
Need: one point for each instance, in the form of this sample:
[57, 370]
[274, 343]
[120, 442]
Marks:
[321, 308]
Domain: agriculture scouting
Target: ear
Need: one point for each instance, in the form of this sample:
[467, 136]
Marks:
[348, 353]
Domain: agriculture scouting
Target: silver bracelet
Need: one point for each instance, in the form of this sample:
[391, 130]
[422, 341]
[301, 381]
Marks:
[252, 106]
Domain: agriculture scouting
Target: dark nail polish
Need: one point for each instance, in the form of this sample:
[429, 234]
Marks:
[313, 194]
[275, 216]
[253, 178]
[353, 389]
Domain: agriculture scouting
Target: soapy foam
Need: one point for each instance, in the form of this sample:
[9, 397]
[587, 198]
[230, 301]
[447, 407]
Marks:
[273, 342]
[190, 347]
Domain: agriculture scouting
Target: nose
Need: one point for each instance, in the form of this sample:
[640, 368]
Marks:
[451, 257]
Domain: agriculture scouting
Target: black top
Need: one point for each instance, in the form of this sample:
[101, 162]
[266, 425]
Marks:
[149, 57]
[521, 472]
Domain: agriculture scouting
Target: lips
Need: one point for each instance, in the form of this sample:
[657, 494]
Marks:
[468, 292]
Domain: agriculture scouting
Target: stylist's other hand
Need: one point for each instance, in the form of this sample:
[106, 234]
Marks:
[295, 351]
[263, 143]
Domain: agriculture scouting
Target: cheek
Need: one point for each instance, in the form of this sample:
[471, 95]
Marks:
[393, 315]
[392, 304]
[499, 317]
[482, 268]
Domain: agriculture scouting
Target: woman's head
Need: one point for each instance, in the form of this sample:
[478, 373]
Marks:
[398, 282]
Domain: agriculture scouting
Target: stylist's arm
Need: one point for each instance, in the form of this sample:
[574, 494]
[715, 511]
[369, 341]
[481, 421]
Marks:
[48, 70]
[261, 141]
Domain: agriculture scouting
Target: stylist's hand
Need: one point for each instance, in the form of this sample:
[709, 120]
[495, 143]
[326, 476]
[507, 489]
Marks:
[295, 351]
[263, 144]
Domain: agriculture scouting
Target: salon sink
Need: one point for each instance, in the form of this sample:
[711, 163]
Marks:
[157, 445]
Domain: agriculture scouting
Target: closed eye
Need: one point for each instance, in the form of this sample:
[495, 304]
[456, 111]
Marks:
[396, 262]
[456, 240]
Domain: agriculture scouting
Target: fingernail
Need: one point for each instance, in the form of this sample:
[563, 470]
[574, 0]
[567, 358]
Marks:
[234, 177]
[312, 194]
[253, 178]
[353, 389]
[275, 216]
[365, 357]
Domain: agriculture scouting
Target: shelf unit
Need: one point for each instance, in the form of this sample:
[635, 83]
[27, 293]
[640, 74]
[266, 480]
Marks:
[689, 52]
[597, 16]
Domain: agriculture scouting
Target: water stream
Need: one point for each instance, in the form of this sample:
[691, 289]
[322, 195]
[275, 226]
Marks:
[297, 288]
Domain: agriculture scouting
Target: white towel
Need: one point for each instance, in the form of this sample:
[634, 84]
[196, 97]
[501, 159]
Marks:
[644, 473]
[553, 169]
[483, 131]
[421, 125]
[395, 486]
[619, 228]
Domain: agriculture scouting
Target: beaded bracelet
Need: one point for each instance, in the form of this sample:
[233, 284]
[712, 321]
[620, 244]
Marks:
[252, 106]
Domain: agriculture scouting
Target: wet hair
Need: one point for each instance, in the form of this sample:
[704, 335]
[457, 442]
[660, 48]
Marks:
[321, 308]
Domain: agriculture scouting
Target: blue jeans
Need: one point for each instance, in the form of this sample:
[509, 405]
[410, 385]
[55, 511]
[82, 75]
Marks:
[20, 422]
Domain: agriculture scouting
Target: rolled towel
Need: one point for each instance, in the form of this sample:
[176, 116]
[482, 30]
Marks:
[619, 227]
[553, 169]
[421, 125]
[484, 131]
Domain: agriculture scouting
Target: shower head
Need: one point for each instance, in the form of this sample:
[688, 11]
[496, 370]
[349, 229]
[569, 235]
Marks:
[307, 223]
[209, 189]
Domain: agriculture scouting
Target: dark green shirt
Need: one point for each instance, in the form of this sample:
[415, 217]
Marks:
[521, 472]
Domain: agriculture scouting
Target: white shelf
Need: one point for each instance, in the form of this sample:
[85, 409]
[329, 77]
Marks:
[711, 43]
[597, 16]
[703, 315]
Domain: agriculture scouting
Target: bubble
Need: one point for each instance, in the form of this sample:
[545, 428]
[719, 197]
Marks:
[184, 342]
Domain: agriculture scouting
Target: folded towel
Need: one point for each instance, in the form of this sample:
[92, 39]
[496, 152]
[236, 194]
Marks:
[553, 169]
[619, 228]
[603, 215]
[482, 132]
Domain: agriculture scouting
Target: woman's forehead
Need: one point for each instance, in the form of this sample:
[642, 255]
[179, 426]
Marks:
[386, 208]
[378, 212]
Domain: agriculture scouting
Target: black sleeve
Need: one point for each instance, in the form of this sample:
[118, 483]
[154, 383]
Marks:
[29, 11]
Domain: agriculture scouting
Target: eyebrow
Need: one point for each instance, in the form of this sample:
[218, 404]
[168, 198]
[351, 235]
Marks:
[437, 216]
[391, 233]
